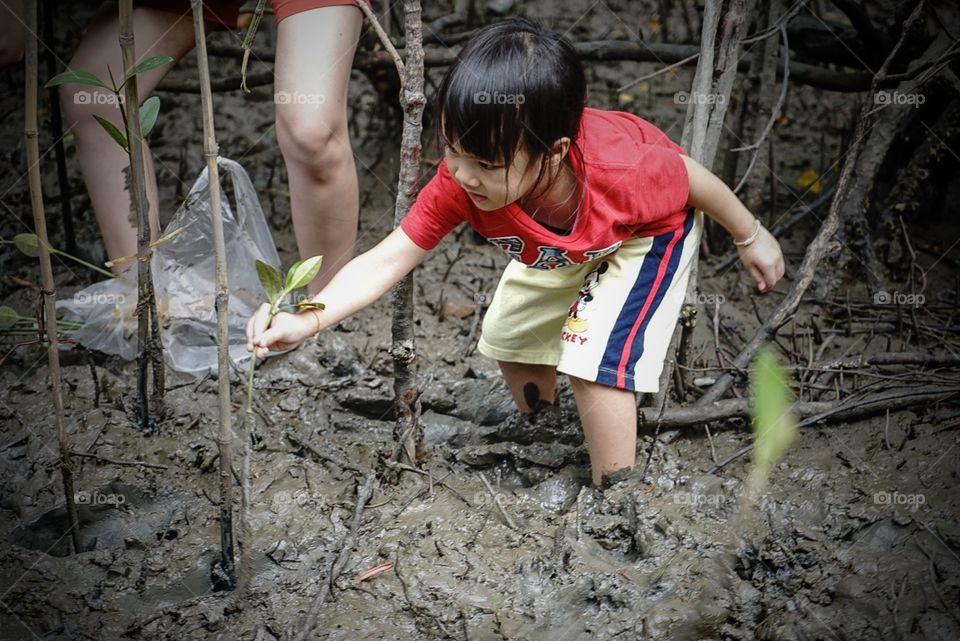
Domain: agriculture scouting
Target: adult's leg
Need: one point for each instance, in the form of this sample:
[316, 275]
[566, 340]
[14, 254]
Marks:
[102, 161]
[12, 31]
[314, 56]
[530, 385]
[609, 419]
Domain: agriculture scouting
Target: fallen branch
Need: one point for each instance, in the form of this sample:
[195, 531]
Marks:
[364, 493]
[811, 412]
[590, 51]
[113, 461]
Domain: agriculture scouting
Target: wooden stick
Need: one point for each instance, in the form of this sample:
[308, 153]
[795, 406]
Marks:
[48, 293]
[225, 435]
[412, 101]
[149, 356]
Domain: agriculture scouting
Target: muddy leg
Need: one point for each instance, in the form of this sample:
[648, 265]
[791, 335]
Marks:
[533, 386]
[609, 418]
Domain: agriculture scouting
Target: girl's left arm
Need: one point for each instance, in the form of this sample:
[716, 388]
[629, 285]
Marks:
[761, 256]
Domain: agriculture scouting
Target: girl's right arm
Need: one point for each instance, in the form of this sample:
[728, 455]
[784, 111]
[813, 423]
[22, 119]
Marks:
[361, 281]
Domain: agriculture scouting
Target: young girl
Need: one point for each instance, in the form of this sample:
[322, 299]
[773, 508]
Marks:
[594, 209]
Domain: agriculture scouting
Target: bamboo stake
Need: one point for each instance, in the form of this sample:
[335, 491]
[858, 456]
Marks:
[150, 353]
[46, 270]
[225, 439]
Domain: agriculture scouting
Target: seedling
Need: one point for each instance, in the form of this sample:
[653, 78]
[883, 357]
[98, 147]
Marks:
[278, 288]
[148, 111]
[29, 245]
[774, 426]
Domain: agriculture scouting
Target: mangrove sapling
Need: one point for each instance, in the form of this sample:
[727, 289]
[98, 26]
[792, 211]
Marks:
[278, 288]
[29, 245]
[773, 422]
[137, 123]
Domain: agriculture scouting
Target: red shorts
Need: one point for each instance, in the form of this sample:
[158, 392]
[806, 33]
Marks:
[225, 12]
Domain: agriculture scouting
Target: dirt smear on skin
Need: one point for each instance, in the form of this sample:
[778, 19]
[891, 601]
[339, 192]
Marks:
[857, 538]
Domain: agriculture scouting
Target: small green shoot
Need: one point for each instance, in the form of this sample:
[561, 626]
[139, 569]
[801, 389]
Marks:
[29, 245]
[774, 426]
[148, 111]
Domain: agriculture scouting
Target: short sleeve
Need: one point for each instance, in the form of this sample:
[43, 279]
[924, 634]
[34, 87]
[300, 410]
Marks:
[663, 186]
[439, 208]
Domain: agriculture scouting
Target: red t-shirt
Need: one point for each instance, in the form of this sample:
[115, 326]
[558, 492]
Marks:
[635, 185]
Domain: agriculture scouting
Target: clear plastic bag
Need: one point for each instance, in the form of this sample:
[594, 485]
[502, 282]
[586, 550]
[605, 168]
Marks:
[184, 278]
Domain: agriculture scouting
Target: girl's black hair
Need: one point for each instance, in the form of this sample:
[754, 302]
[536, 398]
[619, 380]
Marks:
[515, 85]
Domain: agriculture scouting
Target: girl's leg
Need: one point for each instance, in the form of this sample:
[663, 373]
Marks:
[314, 56]
[102, 161]
[609, 418]
[530, 385]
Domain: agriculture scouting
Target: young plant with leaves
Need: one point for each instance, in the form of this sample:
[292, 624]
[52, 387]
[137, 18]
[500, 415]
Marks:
[774, 426]
[278, 289]
[29, 245]
[148, 111]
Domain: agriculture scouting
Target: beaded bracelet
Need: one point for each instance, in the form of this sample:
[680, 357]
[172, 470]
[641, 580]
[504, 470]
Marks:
[753, 237]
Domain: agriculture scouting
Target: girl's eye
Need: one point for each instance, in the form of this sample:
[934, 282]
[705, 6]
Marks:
[487, 166]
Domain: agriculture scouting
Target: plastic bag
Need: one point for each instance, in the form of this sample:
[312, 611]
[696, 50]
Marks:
[184, 279]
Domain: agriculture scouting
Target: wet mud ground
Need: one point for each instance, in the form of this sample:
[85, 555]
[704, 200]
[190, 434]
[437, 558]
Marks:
[857, 538]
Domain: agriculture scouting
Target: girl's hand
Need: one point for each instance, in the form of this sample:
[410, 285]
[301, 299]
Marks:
[763, 259]
[284, 333]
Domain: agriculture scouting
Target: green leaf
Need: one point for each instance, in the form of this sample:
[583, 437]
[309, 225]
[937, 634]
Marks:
[301, 273]
[29, 244]
[310, 304]
[148, 64]
[271, 280]
[8, 317]
[148, 115]
[115, 133]
[78, 76]
[773, 422]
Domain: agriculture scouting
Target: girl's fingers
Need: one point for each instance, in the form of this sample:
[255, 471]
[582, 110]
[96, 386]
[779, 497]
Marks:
[758, 277]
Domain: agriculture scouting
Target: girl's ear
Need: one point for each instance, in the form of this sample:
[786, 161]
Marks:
[559, 151]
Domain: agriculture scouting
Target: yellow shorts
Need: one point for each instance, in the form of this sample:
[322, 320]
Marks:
[608, 321]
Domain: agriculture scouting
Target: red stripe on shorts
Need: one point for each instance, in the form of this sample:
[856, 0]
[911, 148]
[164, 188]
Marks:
[651, 295]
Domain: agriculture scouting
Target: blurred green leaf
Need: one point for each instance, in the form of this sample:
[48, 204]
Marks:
[115, 133]
[148, 64]
[774, 426]
[271, 281]
[302, 273]
[8, 317]
[309, 304]
[28, 244]
[148, 115]
[75, 76]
